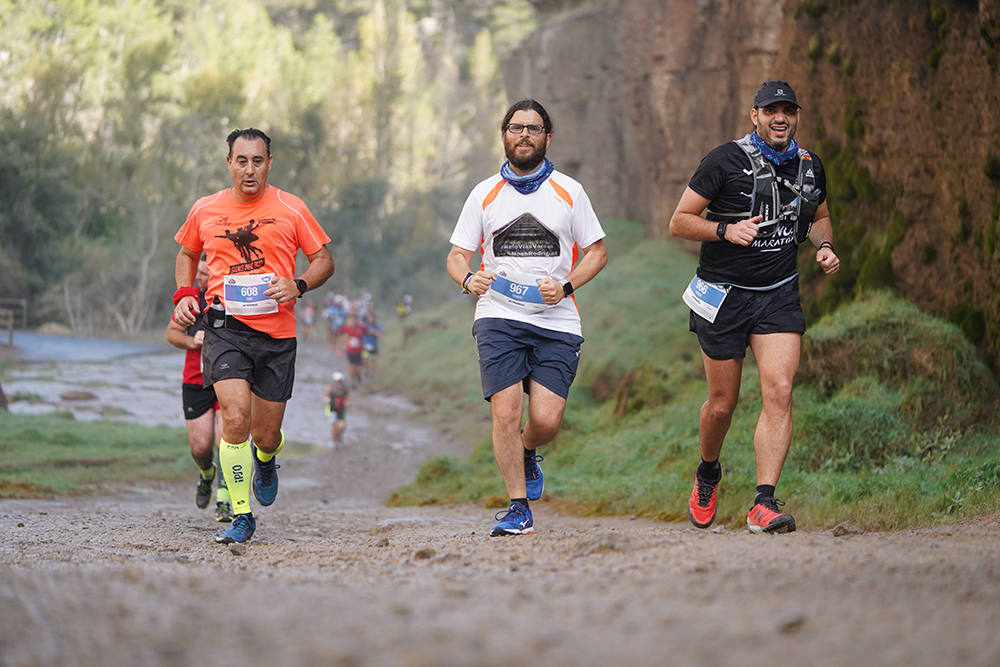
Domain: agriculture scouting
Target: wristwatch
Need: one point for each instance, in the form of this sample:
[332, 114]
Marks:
[301, 285]
[720, 231]
[567, 288]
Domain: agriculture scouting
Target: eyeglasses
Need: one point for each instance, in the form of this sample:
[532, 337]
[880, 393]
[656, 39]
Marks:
[518, 128]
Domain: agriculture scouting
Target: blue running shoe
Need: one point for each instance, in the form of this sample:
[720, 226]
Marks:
[240, 530]
[533, 474]
[265, 479]
[516, 521]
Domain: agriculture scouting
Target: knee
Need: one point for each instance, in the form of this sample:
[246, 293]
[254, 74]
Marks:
[267, 440]
[720, 407]
[777, 395]
[544, 430]
[235, 424]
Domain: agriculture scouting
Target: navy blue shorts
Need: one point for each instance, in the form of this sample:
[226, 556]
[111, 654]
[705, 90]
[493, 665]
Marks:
[512, 352]
[746, 312]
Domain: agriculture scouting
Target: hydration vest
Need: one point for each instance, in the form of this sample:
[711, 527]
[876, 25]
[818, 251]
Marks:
[766, 201]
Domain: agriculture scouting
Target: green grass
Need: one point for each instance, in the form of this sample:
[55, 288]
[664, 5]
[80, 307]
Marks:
[46, 455]
[895, 415]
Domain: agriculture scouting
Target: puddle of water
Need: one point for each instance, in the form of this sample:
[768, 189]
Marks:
[40, 347]
[141, 383]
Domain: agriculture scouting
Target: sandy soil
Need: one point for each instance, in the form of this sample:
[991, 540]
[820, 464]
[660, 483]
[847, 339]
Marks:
[131, 575]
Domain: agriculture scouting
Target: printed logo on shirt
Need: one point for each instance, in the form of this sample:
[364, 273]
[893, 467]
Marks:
[243, 239]
[525, 236]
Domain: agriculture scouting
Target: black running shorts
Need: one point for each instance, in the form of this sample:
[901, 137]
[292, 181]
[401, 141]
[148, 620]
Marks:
[268, 364]
[746, 312]
[511, 351]
[196, 400]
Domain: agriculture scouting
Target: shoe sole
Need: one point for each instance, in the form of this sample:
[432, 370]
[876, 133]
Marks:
[228, 539]
[775, 527]
[502, 532]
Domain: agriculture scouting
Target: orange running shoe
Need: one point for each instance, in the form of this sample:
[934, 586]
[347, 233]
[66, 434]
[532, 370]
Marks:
[701, 504]
[765, 517]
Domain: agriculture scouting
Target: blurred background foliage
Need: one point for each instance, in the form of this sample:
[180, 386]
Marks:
[113, 118]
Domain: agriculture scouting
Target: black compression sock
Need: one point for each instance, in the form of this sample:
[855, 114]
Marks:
[710, 471]
[523, 501]
[763, 491]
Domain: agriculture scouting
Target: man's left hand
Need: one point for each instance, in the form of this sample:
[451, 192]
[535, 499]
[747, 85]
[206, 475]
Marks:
[828, 261]
[551, 291]
[282, 290]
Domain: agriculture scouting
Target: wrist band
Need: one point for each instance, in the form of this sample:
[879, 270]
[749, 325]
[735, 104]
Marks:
[826, 244]
[182, 292]
[465, 282]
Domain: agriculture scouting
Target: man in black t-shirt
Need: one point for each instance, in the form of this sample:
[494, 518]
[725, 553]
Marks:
[763, 195]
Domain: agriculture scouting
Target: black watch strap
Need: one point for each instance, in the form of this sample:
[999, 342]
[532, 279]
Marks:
[567, 288]
[301, 284]
[720, 231]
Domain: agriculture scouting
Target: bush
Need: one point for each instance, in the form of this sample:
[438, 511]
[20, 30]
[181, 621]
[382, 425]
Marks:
[926, 360]
[850, 432]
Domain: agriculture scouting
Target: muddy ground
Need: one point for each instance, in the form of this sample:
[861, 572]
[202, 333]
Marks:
[131, 575]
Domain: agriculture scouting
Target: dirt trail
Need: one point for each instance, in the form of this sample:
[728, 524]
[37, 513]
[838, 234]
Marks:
[131, 575]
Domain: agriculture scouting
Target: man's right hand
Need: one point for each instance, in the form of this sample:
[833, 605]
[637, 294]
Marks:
[743, 232]
[186, 311]
[479, 282]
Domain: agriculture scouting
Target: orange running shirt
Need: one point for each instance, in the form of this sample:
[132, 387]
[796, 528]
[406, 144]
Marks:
[262, 236]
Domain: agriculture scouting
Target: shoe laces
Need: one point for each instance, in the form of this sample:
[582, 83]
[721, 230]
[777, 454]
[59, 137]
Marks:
[772, 504]
[705, 490]
[241, 522]
[531, 459]
[514, 509]
[267, 469]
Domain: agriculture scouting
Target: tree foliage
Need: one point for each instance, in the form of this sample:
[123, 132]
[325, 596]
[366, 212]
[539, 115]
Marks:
[113, 118]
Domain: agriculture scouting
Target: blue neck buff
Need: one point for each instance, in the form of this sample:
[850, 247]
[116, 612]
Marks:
[527, 184]
[773, 155]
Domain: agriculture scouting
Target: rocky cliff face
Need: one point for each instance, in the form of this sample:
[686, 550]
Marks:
[900, 100]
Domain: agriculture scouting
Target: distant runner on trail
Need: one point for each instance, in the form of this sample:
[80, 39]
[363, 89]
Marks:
[200, 407]
[354, 334]
[529, 221]
[764, 196]
[251, 234]
[335, 399]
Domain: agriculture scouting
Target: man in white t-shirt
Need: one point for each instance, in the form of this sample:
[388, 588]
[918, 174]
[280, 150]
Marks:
[529, 222]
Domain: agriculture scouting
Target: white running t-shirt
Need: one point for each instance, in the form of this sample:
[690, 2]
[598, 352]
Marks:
[524, 238]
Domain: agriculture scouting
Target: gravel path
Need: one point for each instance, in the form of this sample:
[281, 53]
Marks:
[130, 575]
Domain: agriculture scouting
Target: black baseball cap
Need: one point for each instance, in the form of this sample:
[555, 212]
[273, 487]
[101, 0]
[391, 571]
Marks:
[774, 91]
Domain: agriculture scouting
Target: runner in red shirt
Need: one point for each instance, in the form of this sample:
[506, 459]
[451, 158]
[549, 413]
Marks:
[201, 409]
[355, 346]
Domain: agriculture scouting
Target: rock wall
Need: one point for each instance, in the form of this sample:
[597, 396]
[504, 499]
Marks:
[899, 99]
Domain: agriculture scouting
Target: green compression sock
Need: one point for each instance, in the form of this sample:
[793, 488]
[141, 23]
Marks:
[236, 466]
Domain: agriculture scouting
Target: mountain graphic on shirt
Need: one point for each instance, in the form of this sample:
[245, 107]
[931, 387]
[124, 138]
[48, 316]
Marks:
[525, 236]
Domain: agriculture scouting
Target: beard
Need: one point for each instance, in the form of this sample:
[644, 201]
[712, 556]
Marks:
[529, 162]
[781, 146]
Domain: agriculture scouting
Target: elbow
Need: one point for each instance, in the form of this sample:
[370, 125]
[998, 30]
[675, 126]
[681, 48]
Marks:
[674, 227]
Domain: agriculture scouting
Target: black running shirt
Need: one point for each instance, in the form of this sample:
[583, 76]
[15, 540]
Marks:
[725, 178]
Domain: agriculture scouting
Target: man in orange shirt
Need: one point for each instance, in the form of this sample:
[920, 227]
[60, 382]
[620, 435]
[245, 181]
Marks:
[251, 234]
